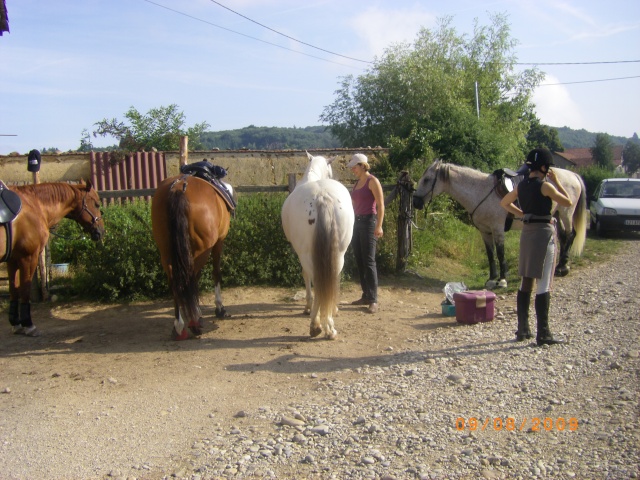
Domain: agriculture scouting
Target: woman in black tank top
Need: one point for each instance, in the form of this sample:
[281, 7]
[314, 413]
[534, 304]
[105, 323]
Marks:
[536, 195]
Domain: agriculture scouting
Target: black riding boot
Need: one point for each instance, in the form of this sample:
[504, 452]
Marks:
[523, 302]
[14, 316]
[543, 336]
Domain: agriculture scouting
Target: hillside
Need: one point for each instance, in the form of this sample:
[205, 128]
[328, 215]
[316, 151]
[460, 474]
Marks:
[300, 138]
[270, 138]
[582, 139]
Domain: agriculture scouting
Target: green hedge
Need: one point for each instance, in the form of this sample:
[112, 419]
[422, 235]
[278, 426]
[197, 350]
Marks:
[126, 264]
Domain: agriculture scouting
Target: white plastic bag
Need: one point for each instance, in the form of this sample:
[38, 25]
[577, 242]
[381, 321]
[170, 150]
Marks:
[453, 287]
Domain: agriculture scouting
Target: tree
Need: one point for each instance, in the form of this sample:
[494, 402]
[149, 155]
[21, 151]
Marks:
[420, 99]
[543, 136]
[631, 156]
[160, 128]
[602, 151]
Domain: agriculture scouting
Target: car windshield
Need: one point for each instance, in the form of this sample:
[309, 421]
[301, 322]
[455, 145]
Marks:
[621, 190]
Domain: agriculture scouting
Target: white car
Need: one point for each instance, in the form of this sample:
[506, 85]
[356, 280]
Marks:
[615, 206]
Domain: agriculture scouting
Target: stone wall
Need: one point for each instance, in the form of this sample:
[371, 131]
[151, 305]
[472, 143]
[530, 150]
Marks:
[244, 167]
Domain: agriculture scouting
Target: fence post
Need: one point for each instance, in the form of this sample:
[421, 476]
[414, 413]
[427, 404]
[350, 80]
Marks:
[405, 190]
[292, 181]
[42, 264]
[184, 150]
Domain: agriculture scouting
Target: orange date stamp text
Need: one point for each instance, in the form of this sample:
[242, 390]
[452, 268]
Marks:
[510, 424]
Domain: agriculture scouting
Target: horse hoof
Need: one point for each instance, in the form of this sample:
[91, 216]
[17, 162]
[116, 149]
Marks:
[332, 336]
[490, 285]
[180, 336]
[314, 331]
[562, 271]
[502, 283]
[307, 311]
[195, 330]
[221, 312]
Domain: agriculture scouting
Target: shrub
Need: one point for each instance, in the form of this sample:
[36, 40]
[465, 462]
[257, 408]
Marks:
[126, 264]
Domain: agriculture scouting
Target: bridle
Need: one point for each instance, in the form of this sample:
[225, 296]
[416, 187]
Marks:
[430, 191]
[94, 219]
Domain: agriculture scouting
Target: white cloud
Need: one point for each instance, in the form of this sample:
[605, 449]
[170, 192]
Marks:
[380, 28]
[555, 107]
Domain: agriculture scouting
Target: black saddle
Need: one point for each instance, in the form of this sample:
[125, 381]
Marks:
[212, 174]
[10, 204]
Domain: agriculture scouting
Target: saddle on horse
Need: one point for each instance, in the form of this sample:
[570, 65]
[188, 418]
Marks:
[504, 183]
[212, 174]
[10, 206]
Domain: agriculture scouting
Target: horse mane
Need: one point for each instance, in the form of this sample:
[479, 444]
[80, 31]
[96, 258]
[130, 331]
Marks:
[51, 192]
[443, 170]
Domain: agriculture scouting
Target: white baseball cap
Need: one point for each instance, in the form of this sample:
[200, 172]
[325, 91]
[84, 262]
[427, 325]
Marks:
[356, 159]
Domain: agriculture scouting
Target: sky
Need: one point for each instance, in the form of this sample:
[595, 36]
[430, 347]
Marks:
[67, 64]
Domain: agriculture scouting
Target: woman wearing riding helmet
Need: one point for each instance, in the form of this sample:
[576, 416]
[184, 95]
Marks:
[535, 194]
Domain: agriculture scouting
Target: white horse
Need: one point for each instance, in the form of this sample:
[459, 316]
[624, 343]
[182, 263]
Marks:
[478, 193]
[318, 218]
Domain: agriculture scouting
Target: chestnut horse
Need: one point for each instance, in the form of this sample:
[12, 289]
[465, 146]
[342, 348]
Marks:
[190, 221]
[43, 206]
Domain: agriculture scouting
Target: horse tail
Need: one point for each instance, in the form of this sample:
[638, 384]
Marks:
[325, 256]
[580, 220]
[184, 283]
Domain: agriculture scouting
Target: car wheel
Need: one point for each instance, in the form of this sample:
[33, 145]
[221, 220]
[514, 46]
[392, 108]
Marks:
[601, 232]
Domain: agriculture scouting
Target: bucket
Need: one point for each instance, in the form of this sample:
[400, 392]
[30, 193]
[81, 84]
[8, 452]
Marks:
[60, 269]
[448, 310]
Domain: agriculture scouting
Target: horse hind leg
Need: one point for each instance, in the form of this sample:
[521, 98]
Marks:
[179, 331]
[562, 269]
[315, 329]
[330, 332]
[308, 293]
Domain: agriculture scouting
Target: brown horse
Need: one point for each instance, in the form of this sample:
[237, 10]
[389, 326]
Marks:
[43, 206]
[190, 221]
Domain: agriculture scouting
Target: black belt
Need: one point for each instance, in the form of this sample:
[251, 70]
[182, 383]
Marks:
[537, 219]
[360, 218]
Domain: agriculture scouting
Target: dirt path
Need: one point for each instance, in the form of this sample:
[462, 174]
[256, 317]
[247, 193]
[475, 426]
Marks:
[104, 389]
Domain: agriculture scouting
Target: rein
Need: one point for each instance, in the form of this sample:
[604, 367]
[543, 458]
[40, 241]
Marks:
[481, 202]
[426, 207]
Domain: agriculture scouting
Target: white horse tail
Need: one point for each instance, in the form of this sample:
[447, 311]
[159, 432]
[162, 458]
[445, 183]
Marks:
[580, 220]
[325, 256]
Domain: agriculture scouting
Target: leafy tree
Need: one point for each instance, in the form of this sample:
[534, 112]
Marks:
[602, 151]
[420, 99]
[159, 128]
[543, 136]
[631, 156]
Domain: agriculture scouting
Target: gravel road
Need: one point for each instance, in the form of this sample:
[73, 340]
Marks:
[444, 402]
[553, 412]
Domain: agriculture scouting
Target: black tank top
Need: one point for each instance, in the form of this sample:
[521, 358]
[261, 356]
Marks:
[531, 198]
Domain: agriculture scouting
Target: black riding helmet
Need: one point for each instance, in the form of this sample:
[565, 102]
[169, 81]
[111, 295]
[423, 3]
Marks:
[539, 157]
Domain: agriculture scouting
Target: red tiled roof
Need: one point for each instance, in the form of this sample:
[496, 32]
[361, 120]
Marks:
[582, 156]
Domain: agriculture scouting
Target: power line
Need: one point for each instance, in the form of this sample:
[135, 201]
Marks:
[287, 36]
[579, 63]
[244, 35]
[587, 81]
[369, 62]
